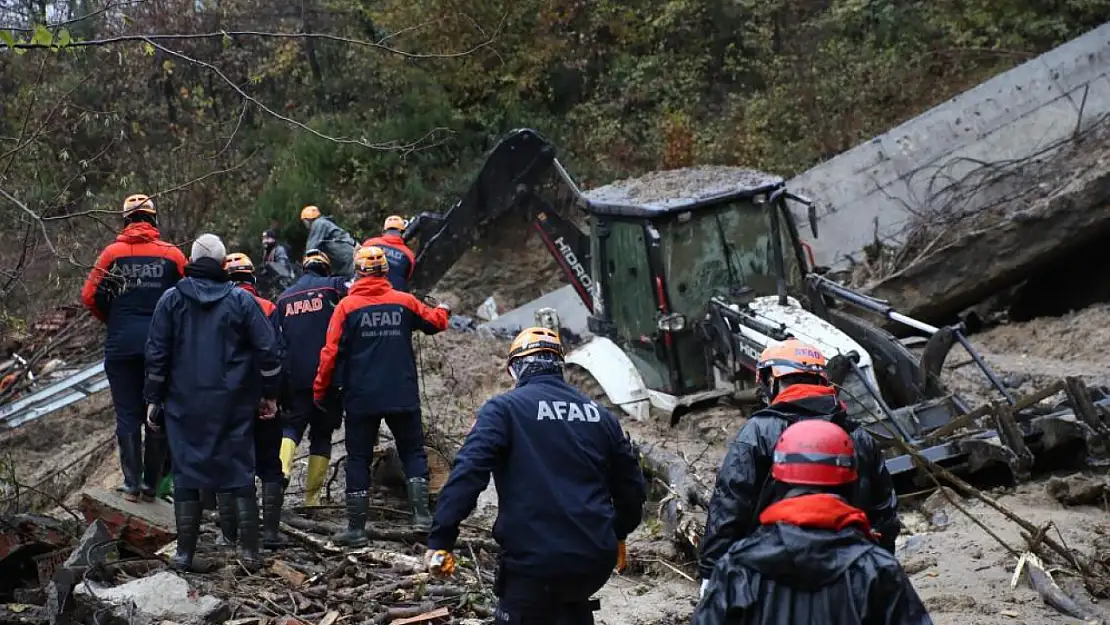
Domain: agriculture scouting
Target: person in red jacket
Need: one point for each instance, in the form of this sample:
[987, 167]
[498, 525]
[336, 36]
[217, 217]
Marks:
[267, 432]
[402, 262]
[122, 290]
[369, 341]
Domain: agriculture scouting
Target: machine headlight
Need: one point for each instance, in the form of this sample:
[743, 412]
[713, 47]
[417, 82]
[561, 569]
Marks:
[674, 322]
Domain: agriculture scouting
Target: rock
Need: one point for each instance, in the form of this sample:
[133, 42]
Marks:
[96, 547]
[917, 563]
[1076, 490]
[160, 597]
[939, 501]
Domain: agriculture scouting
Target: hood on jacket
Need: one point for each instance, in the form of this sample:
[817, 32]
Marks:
[394, 239]
[205, 282]
[370, 286]
[138, 232]
[806, 542]
[248, 287]
[809, 401]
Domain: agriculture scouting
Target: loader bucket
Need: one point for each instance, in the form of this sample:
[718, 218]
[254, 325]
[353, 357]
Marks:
[1003, 440]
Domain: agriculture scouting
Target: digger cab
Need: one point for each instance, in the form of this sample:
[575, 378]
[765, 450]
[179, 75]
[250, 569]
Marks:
[664, 245]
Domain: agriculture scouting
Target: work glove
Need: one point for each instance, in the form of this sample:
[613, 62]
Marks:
[704, 585]
[439, 563]
[622, 556]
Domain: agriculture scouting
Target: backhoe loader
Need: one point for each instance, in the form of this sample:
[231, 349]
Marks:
[687, 277]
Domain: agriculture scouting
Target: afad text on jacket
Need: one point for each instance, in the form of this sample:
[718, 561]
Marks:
[303, 313]
[569, 485]
[369, 341]
[125, 283]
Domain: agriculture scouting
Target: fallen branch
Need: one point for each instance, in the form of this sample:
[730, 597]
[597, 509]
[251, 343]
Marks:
[1051, 593]
[684, 495]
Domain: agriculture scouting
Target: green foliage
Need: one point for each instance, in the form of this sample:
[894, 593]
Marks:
[621, 86]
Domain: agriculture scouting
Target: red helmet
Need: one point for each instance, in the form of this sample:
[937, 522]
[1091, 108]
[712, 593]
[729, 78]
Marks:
[815, 452]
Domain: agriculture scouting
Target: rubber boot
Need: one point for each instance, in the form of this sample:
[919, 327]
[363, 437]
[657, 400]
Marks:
[314, 481]
[273, 496]
[154, 457]
[358, 507]
[131, 463]
[246, 508]
[418, 501]
[229, 526]
[187, 517]
[288, 448]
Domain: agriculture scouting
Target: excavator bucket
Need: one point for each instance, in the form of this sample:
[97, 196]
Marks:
[505, 183]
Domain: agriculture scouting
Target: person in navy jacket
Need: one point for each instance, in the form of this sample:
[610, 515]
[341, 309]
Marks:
[569, 488]
[302, 316]
[214, 364]
[369, 341]
[122, 290]
[402, 262]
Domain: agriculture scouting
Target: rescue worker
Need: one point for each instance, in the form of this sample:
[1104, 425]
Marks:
[402, 261]
[329, 238]
[369, 340]
[793, 381]
[570, 488]
[122, 290]
[813, 558]
[267, 432]
[277, 271]
[213, 363]
[303, 313]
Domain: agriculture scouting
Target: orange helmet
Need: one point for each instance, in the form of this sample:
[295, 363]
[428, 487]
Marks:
[314, 256]
[238, 263]
[310, 212]
[815, 452]
[790, 357]
[535, 340]
[138, 203]
[394, 222]
[371, 261]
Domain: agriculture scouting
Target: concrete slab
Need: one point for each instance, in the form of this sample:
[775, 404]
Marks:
[572, 313]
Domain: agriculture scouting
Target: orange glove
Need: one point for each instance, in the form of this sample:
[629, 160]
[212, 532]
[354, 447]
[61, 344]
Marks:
[440, 563]
[622, 556]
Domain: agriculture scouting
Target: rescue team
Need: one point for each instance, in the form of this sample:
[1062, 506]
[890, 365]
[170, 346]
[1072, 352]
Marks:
[801, 524]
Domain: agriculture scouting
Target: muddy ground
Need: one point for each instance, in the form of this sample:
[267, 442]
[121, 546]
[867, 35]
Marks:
[962, 573]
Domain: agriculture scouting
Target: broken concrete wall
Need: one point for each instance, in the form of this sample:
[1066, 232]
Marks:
[924, 166]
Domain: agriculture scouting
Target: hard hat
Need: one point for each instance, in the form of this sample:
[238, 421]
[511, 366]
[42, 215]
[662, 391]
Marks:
[792, 357]
[138, 203]
[238, 263]
[371, 261]
[394, 222]
[535, 340]
[814, 452]
[315, 256]
[310, 212]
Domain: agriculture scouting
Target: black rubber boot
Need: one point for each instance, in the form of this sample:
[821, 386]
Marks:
[154, 458]
[358, 507]
[229, 525]
[418, 501]
[246, 508]
[131, 464]
[273, 497]
[187, 517]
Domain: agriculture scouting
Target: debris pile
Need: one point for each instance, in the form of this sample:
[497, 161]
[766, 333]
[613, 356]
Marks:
[54, 346]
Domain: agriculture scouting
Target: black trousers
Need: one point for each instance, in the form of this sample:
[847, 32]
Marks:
[564, 600]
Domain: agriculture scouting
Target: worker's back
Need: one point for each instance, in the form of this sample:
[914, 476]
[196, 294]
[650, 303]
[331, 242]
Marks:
[402, 261]
[566, 487]
[785, 574]
[303, 313]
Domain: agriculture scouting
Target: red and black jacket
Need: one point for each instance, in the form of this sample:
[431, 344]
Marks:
[402, 262]
[370, 341]
[124, 286]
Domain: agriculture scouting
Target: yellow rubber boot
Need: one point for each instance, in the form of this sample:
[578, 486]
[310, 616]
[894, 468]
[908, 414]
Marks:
[317, 470]
[288, 448]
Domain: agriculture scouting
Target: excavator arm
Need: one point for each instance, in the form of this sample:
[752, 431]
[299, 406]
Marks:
[520, 176]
